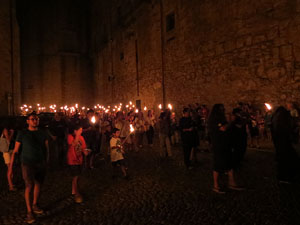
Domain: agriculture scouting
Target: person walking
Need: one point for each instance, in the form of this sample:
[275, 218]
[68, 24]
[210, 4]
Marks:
[6, 148]
[187, 136]
[164, 125]
[34, 156]
[283, 136]
[76, 149]
[222, 155]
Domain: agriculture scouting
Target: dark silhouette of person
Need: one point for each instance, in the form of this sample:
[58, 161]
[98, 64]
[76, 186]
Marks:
[283, 137]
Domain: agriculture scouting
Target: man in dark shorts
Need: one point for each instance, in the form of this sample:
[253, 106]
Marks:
[34, 155]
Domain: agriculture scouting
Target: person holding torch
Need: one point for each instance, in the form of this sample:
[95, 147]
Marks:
[117, 153]
[76, 150]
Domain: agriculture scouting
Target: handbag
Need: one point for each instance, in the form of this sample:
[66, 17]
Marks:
[4, 145]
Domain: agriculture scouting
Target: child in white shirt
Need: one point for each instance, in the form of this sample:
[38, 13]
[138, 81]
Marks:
[116, 153]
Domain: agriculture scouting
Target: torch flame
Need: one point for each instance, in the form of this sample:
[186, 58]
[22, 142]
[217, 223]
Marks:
[136, 111]
[170, 106]
[145, 108]
[131, 128]
[160, 106]
[269, 107]
[93, 119]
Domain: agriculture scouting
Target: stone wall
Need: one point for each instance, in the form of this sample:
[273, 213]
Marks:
[10, 59]
[55, 61]
[219, 51]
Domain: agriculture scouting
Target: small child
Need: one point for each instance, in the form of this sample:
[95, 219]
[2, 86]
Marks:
[116, 152]
[76, 149]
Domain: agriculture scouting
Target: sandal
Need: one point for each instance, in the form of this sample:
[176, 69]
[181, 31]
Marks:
[30, 218]
[78, 199]
[37, 210]
[218, 190]
[13, 189]
[235, 188]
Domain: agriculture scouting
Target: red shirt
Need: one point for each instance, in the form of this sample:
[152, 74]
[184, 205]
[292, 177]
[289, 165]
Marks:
[74, 156]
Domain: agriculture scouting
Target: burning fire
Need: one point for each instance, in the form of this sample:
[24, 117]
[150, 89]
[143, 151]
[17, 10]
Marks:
[269, 107]
[131, 128]
[93, 119]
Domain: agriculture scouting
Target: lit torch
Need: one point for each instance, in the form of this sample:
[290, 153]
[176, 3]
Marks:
[160, 106]
[93, 119]
[170, 106]
[131, 128]
[269, 107]
[145, 108]
[131, 131]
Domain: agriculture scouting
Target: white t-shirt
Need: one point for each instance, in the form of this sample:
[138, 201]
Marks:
[115, 153]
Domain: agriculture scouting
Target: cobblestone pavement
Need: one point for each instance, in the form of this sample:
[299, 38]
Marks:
[161, 192]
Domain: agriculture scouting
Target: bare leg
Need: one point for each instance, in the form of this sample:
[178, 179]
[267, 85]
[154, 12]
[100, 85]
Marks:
[28, 190]
[36, 192]
[92, 158]
[9, 179]
[231, 180]
[216, 179]
[124, 171]
[75, 185]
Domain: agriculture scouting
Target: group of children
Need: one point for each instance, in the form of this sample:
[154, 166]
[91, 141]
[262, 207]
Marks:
[77, 149]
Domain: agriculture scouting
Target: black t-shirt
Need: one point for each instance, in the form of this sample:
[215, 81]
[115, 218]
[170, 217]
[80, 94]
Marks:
[186, 123]
[33, 146]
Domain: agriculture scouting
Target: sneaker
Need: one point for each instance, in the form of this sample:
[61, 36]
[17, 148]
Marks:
[37, 210]
[78, 199]
[30, 218]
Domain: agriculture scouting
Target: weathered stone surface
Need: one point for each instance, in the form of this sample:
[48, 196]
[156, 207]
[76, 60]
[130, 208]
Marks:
[118, 50]
[9, 58]
[55, 64]
[217, 50]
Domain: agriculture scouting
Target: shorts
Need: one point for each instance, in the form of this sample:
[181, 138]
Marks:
[75, 170]
[7, 157]
[34, 173]
[118, 163]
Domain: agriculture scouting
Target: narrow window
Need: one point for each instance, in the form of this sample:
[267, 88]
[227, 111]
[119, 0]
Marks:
[170, 22]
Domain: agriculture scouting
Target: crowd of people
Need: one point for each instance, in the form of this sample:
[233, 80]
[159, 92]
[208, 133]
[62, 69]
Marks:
[78, 139]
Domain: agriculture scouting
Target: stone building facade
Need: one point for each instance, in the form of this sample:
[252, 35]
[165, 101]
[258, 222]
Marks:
[156, 51]
[55, 59]
[9, 59]
[206, 51]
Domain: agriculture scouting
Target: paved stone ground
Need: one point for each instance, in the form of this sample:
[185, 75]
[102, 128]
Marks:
[161, 193]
